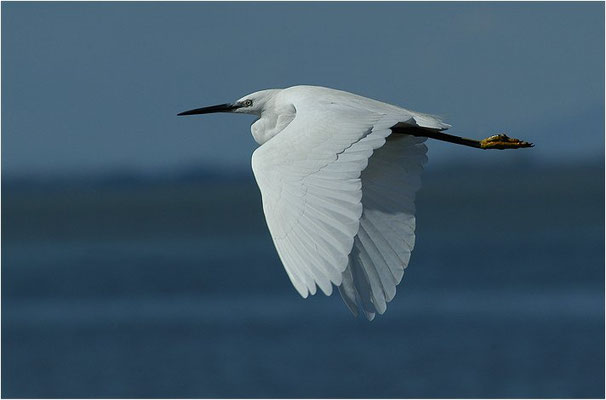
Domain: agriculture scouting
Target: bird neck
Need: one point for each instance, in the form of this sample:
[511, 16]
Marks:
[272, 123]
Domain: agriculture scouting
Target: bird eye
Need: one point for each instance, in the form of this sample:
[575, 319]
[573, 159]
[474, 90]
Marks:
[247, 103]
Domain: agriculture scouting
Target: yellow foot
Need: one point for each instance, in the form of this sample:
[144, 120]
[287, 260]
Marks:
[502, 142]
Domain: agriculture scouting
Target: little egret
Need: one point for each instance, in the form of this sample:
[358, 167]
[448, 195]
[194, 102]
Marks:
[338, 175]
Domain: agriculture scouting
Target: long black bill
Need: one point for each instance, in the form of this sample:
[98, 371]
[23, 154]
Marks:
[227, 107]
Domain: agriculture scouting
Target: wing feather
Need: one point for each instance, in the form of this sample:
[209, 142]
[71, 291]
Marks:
[386, 233]
[339, 203]
[309, 176]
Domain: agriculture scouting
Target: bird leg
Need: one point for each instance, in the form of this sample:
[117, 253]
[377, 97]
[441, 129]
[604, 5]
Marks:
[500, 141]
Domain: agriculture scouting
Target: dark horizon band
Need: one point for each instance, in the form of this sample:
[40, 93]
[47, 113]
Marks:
[227, 107]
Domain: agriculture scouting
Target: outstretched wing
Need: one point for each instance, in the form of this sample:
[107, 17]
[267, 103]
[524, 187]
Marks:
[309, 176]
[386, 235]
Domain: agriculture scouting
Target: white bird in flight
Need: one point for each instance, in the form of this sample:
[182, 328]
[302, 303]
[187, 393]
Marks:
[338, 175]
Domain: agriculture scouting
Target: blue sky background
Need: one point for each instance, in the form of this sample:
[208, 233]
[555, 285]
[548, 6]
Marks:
[95, 87]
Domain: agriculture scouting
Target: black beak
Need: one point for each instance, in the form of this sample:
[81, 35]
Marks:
[228, 107]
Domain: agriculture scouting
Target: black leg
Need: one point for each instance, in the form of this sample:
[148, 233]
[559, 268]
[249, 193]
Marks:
[500, 142]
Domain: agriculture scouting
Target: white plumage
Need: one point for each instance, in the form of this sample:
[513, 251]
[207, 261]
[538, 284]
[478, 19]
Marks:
[338, 188]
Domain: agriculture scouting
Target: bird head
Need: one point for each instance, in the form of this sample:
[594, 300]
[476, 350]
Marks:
[253, 103]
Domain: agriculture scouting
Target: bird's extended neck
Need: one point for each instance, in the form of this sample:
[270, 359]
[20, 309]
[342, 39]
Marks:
[272, 123]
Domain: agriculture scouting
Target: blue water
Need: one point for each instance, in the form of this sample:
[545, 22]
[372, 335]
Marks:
[173, 289]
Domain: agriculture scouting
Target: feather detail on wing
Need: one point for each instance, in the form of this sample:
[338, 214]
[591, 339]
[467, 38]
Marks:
[312, 175]
[386, 236]
[309, 176]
